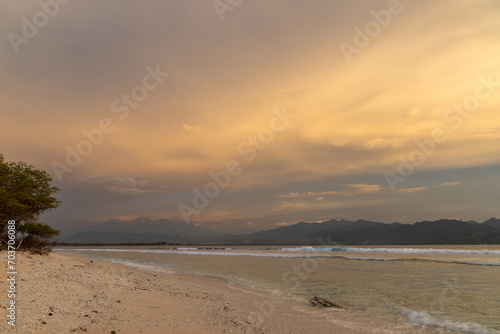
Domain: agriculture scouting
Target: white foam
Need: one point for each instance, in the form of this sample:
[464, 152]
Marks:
[474, 263]
[390, 250]
[425, 319]
[369, 258]
[414, 250]
[301, 249]
[276, 255]
[296, 253]
[141, 266]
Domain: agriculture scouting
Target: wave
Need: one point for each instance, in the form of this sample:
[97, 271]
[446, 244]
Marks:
[301, 249]
[472, 263]
[195, 251]
[190, 252]
[425, 319]
[369, 258]
[142, 266]
[196, 248]
[389, 250]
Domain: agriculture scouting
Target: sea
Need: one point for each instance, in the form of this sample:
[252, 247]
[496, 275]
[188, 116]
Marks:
[386, 289]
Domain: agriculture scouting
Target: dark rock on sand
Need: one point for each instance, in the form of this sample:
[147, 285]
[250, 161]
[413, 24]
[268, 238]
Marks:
[323, 302]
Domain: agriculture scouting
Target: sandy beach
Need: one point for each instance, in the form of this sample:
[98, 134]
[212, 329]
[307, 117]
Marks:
[63, 294]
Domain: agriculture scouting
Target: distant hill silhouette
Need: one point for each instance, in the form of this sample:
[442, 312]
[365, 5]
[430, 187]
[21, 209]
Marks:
[120, 238]
[140, 230]
[360, 232]
[493, 222]
[364, 232]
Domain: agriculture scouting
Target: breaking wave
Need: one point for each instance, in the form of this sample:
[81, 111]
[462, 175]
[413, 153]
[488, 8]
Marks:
[425, 319]
[389, 250]
[284, 253]
[189, 252]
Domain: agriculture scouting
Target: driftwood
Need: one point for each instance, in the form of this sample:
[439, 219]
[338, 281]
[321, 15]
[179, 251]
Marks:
[318, 301]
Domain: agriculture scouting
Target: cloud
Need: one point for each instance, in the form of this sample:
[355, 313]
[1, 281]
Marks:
[400, 218]
[192, 128]
[448, 184]
[362, 189]
[120, 185]
[350, 190]
[339, 141]
[285, 223]
[412, 190]
[352, 121]
[309, 194]
[384, 143]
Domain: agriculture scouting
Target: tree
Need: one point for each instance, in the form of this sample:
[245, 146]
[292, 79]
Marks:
[26, 193]
[35, 235]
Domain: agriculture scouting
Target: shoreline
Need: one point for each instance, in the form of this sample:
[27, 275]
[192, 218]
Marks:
[60, 293]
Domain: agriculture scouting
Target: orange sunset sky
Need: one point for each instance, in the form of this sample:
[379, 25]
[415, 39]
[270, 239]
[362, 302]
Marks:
[174, 90]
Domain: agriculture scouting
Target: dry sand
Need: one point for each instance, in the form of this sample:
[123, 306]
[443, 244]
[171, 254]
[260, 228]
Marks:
[63, 294]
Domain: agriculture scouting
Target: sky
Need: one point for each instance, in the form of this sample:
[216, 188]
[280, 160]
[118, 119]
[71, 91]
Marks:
[245, 115]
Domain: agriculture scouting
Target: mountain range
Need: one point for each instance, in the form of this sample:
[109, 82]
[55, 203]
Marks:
[360, 232]
[140, 230]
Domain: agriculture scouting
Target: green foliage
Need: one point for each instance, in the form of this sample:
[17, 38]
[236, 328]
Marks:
[26, 193]
[38, 229]
[36, 237]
